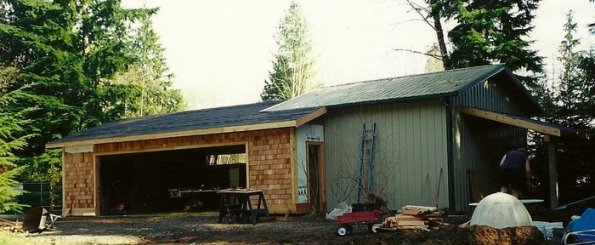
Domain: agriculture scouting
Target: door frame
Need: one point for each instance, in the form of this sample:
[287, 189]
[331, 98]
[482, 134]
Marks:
[322, 201]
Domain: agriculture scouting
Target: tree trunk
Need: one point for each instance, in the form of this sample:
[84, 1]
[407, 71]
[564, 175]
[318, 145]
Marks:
[441, 41]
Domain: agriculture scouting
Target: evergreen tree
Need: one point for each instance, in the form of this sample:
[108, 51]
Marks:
[571, 103]
[572, 83]
[587, 64]
[587, 67]
[35, 40]
[572, 96]
[148, 76]
[293, 68]
[68, 53]
[10, 127]
[485, 32]
[495, 32]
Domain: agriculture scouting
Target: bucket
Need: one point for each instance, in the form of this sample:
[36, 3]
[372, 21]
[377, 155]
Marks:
[550, 230]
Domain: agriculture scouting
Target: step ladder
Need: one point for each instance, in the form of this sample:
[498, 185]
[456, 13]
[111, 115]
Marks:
[366, 160]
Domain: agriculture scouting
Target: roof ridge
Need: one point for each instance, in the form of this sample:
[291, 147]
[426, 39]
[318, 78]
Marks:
[219, 108]
[414, 75]
[227, 107]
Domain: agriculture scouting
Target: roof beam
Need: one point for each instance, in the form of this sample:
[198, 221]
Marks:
[510, 120]
[307, 118]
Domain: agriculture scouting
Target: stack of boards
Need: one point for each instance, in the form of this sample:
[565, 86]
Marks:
[413, 217]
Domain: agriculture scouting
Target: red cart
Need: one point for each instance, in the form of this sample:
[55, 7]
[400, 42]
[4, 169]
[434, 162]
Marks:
[347, 220]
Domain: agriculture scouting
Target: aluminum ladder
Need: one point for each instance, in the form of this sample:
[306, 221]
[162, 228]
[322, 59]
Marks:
[366, 160]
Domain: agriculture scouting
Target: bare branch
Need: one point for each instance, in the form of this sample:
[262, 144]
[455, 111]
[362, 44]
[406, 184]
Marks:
[438, 57]
[407, 21]
[422, 12]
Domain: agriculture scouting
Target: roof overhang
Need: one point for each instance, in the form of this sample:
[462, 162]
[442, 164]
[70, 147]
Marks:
[522, 122]
[228, 129]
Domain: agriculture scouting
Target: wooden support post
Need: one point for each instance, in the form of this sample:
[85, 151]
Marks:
[553, 177]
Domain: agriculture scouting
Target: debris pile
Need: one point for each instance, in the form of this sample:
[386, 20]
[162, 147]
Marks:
[414, 217]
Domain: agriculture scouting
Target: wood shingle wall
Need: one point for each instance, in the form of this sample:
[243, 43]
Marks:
[269, 167]
[78, 183]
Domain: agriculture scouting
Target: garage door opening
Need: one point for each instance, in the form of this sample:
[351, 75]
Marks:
[165, 181]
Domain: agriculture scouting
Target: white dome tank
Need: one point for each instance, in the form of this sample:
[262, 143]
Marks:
[501, 210]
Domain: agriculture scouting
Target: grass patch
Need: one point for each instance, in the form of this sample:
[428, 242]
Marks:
[12, 238]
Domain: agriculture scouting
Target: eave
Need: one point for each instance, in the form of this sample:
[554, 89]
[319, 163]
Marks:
[206, 131]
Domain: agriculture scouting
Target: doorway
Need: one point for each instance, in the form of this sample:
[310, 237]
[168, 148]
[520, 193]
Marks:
[168, 181]
[315, 163]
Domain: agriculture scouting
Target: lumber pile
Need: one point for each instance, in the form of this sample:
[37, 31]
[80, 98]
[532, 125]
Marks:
[414, 217]
[13, 226]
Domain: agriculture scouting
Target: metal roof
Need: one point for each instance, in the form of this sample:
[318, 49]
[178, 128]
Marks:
[420, 86]
[189, 120]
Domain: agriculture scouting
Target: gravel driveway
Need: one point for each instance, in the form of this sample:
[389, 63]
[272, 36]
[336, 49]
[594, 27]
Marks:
[203, 228]
[185, 228]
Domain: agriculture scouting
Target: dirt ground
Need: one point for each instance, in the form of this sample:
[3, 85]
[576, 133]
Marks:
[203, 228]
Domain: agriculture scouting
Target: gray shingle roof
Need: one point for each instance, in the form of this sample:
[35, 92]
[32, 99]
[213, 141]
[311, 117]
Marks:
[190, 120]
[392, 89]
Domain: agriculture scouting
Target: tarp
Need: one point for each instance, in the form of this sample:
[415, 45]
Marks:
[585, 223]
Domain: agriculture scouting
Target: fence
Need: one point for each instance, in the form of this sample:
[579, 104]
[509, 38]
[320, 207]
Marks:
[36, 194]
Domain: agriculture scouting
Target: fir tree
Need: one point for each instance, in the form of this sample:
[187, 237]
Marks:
[572, 97]
[485, 32]
[570, 102]
[10, 141]
[293, 68]
[69, 54]
[495, 32]
[148, 76]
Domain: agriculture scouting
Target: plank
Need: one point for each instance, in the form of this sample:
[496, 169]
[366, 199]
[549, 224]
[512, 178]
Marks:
[411, 223]
[416, 227]
[401, 217]
[514, 121]
[417, 210]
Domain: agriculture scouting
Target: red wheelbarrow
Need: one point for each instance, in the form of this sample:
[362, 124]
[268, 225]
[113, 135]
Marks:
[347, 220]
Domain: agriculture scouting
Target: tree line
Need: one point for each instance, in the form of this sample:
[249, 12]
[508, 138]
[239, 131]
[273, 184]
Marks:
[68, 65]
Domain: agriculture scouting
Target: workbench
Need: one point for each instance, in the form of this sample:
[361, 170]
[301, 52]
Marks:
[198, 199]
[238, 203]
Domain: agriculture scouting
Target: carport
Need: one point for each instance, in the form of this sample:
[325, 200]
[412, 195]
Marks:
[549, 131]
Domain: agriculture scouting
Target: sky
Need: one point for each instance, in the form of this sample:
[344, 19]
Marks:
[221, 51]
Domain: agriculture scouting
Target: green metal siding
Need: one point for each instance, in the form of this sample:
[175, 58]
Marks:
[479, 144]
[411, 151]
